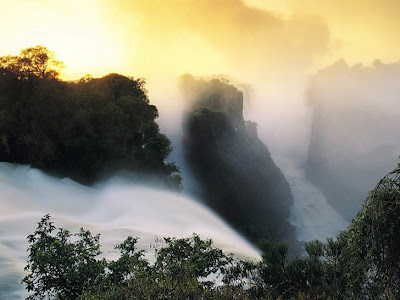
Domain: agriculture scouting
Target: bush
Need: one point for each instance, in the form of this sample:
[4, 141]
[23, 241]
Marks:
[65, 266]
[362, 263]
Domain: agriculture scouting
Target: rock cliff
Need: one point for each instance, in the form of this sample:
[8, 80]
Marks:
[355, 137]
[239, 179]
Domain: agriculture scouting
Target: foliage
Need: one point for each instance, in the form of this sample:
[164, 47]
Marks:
[63, 269]
[86, 125]
[370, 246]
[187, 268]
[361, 263]
[215, 94]
[36, 61]
[82, 129]
[278, 276]
[58, 267]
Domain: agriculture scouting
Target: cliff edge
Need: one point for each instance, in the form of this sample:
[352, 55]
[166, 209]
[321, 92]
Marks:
[355, 137]
[238, 178]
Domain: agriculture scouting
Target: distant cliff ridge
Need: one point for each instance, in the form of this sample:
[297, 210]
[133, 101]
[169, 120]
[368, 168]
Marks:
[238, 177]
[355, 133]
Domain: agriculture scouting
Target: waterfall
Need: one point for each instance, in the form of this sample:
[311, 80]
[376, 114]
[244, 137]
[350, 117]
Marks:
[115, 209]
[311, 214]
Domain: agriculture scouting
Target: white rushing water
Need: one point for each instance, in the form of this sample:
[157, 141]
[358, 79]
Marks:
[311, 214]
[114, 209]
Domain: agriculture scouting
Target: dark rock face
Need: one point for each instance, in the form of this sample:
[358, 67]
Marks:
[239, 179]
[355, 136]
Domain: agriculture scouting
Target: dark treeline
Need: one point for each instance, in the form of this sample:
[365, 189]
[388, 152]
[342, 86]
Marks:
[83, 129]
[361, 263]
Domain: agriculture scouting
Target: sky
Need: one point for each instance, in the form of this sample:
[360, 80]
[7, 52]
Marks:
[253, 40]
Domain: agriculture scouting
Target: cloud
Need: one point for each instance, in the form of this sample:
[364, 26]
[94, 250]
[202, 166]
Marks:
[365, 29]
[220, 36]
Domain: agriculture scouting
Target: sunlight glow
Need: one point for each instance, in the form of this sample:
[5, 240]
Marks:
[72, 29]
[249, 38]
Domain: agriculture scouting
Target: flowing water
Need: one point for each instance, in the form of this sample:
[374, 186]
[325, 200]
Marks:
[115, 209]
[311, 214]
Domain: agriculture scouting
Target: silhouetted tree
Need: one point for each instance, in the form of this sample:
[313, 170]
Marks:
[81, 129]
[34, 61]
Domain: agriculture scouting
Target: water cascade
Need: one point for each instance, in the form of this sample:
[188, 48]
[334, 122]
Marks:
[115, 209]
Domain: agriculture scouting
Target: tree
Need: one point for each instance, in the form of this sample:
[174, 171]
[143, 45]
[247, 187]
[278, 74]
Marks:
[34, 61]
[59, 267]
[369, 248]
[361, 263]
[62, 267]
[86, 129]
[190, 259]
[30, 105]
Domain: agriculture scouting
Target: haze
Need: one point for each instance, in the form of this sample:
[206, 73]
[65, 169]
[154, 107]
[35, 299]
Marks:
[273, 52]
[243, 38]
[270, 45]
[268, 48]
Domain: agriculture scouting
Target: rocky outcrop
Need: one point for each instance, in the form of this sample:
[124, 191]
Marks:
[239, 179]
[355, 137]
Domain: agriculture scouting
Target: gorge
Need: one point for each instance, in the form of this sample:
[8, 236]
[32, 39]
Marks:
[261, 194]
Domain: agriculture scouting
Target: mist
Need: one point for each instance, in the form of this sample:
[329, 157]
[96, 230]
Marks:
[115, 209]
[331, 128]
[349, 115]
[355, 137]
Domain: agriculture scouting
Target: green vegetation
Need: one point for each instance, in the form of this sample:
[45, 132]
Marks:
[64, 269]
[361, 263]
[93, 126]
[82, 129]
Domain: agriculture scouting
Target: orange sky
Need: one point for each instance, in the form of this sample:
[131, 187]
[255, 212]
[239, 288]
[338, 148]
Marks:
[249, 40]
